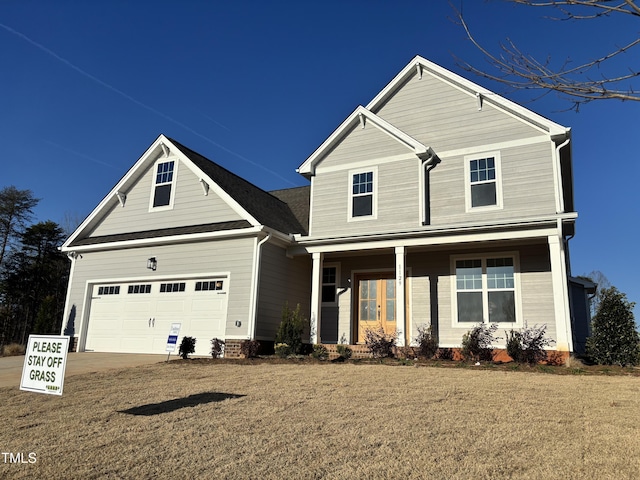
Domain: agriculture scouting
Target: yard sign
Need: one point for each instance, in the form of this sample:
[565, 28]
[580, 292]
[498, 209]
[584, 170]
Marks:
[173, 337]
[44, 364]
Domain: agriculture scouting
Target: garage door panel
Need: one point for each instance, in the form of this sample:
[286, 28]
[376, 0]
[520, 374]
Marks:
[138, 319]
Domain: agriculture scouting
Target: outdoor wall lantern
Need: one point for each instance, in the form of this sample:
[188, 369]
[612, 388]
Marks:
[152, 264]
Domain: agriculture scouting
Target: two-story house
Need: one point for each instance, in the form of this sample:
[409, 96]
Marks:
[439, 203]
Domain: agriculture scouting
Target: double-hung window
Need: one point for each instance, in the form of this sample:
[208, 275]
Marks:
[362, 194]
[485, 289]
[163, 184]
[483, 183]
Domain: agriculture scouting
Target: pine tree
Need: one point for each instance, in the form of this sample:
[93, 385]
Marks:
[614, 339]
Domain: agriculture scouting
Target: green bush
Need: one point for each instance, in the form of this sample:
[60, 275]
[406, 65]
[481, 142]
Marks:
[290, 330]
[427, 342]
[614, 339]
[344, 352]
[187, 346]
[249, 348]
[477, 343]
[527, 345]
[379, 342]
[217, 347]
[282, 350]
[320, 352]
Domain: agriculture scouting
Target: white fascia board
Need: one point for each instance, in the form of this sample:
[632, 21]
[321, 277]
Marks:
[360, 113]
[170, 240]
[213, 186]
[149, 156]
[453, 239]
[441, 234]
[468, 86]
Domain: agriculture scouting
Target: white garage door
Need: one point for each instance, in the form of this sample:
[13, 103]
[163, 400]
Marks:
[136, 317]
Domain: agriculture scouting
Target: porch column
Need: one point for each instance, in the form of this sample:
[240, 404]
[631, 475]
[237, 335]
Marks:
[564, 341]
[316, 297]
[400, 294]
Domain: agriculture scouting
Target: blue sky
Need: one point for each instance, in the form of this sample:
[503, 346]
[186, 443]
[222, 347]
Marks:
[256, 86]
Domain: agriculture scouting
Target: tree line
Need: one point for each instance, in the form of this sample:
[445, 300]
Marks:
[33, 272]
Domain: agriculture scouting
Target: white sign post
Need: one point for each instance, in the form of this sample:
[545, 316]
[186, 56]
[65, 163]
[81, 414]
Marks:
[44, 364]
[173, 338]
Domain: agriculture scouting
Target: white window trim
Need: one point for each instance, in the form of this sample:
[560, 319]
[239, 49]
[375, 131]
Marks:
[335, 265]
[374, 207]
[519, 323]
[467, 181]
[154, 173]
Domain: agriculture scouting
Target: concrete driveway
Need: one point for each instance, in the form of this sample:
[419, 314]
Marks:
[83, 362]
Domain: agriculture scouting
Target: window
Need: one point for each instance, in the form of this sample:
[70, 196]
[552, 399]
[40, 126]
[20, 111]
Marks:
[483, 181]
[172, 287]
[209, 285]
[329, 284]
[485, 290]
[163, 184]
[362, 194]
[146, 288]
[109, 290]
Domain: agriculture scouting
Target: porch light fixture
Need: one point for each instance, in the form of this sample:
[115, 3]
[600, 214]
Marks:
[152, 264]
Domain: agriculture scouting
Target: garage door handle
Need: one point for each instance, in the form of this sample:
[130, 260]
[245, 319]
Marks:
[149, 322]
[153, 322]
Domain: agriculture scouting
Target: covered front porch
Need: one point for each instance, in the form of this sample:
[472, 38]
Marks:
[403, 286]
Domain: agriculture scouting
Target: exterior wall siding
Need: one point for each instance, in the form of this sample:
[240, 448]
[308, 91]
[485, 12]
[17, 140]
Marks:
[233, 256]
[190, 207]
[444, 117]
[282, 279]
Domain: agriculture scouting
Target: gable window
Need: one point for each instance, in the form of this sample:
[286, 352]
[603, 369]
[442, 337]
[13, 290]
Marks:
[483, 188]
[485, 290]
[362, 194]
[163, 184]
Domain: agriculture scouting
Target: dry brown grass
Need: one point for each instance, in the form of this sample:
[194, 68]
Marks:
[333, 421]
[13, 350]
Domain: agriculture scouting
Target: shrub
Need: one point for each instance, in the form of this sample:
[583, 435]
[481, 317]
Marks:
[614, 339]
[344, 352]
[477, 343]
[444, 354]
[320, 352]
[291, 328]
[427, 342]
[249, 348]
[379, 342]
[187, 346]
[13, 350]
[217, 347]
[282, 350]
[527, 345]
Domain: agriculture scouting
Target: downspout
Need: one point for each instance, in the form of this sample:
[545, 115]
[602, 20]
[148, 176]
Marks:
[560, 189]
[254, 287]
[428, 164]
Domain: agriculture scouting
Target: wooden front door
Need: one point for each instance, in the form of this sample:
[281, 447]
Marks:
[376, 305]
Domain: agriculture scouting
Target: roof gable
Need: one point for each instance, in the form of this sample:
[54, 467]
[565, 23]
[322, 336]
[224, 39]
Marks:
[252, 205]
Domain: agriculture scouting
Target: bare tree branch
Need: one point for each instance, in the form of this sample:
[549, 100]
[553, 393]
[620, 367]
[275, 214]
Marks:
[579, 84]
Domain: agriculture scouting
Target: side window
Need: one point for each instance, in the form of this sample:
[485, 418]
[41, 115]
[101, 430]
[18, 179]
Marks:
[329, 285]
[163, 184]
[362, 194]
[483, 182]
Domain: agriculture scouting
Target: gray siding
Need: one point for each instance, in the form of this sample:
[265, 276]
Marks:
[233, 256]
[398, 200]
[446, 118]
[190, 207]
[282, 279]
